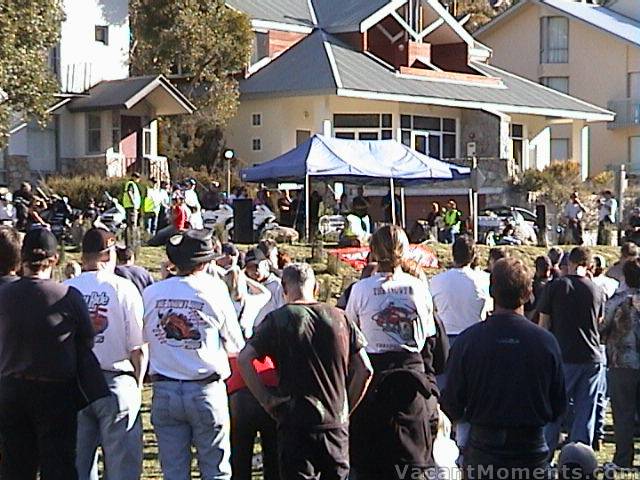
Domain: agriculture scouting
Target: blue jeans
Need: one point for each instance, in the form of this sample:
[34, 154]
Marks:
[582, 382]
[114, 423]
[151, 223]
[192, 413]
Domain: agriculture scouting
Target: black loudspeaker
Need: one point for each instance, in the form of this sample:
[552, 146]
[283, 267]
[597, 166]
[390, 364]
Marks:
[541, 213]
[243, 220]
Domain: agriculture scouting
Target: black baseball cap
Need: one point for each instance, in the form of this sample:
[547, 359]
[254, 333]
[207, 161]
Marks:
[39, 244]
[98, 240]
[191, 248]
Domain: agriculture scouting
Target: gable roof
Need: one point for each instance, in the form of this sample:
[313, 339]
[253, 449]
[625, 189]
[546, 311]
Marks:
[322, 64]
[128, 92]
[597, 16]
[292, 12]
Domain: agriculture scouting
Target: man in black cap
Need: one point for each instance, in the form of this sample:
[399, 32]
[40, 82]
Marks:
[190, 335]
[43, 326]
[505, 378]
[115, 307]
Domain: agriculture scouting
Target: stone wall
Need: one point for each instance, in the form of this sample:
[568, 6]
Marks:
[482, 128]
[16, 170]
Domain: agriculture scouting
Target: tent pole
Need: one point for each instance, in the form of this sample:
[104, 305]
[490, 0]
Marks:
[392, 193]
[404, 208]
[307, 220]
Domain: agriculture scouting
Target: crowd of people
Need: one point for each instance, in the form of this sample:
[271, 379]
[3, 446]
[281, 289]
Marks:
[235, 345]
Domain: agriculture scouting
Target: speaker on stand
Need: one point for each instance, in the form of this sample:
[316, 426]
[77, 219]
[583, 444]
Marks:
[243, 221]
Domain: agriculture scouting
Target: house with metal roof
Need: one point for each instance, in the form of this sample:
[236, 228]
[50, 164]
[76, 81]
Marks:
[395, 69]
[104, 121]
[585, 50]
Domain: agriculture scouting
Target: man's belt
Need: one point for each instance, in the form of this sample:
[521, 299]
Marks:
[214, 377]
[35, 378]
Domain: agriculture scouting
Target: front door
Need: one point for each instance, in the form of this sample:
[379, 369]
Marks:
[131, 145]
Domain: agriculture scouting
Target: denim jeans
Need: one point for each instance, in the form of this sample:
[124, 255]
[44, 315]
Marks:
[602, 400]
[37, 430]
[114, 423]
[151, 223]
[582, 382]
[192, 413]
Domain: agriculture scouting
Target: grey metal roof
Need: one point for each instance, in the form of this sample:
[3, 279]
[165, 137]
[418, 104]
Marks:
[122, 94]
[600, 17]
[295, 12]
[306, 68]
[303, 69]
[345, 14]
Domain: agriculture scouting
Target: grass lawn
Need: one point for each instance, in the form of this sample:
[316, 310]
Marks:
[334, 283]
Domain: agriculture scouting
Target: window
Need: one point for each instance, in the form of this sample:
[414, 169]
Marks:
[363, 126]
[517, 139]
[634, 85]
[54, 60]
[256, 144]
[426, 123]
[146, 134]
[94, 124]
[302, 136]
[442, 137]
[102, 34]
[260, 47]
[560, 84]
[115, 131]
[634, 153]
[256, 119]
[560, 149]
[554, 40]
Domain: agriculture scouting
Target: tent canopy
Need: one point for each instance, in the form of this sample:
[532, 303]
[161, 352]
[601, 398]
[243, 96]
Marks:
[355, 161]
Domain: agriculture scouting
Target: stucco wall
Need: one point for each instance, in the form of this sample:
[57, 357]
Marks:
[84, 61]
[597, 70]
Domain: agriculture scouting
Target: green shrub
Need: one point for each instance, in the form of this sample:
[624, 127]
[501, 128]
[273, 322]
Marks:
[80, 189]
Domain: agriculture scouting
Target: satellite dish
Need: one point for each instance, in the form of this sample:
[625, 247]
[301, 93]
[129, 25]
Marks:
[496, 3]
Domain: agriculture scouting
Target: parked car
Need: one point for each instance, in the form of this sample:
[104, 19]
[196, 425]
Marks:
[493, 221]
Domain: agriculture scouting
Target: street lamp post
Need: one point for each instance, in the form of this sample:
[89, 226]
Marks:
[229, 154]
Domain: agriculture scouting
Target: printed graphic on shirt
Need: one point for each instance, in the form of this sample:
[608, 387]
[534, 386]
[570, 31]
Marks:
[179, 323]
[397, 321]
[98, 312]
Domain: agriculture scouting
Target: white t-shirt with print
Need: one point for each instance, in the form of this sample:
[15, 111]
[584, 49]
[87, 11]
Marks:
[115, 307]
[394, 312]
[460, 297]
[190, 325]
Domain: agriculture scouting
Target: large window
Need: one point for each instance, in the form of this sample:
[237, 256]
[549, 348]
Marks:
[560, 149]
[517, 143]
[115, 131]
[434, 136]
[634, 153]
[363, 126]
[260, 47]
[560, 84]
[94, 130]
[554, 40]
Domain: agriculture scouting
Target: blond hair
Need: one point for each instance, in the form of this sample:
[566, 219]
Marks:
[388, 245]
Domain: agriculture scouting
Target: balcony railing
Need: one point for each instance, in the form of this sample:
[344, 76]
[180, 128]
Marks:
[627, 113]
